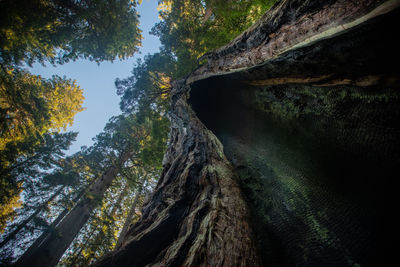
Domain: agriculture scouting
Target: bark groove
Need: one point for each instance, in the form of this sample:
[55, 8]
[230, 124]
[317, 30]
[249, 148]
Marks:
[197, 215]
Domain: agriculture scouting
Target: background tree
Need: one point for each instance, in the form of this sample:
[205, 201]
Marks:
[124, 142]
[31, 106]
[148, 88]
[51, 31]
[63, 30]
[191, 28]
[76, 173]
[29, 171]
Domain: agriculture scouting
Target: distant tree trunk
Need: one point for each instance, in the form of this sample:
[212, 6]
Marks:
[207, 15]
[198, 216]
[33, 215]
[35, 245]
[78, 251]
[100, 235]
[129, 218]
[53, 247]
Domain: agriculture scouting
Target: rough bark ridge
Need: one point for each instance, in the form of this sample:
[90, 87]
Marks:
[197, 216]
[306, 105]
[289, 24]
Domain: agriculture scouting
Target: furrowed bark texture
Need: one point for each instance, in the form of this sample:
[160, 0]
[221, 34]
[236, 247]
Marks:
[294, 123]
[197, 216]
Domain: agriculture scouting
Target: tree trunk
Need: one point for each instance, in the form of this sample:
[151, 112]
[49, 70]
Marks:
[35, 245]
[197, 214]
[129, 218]
[100, 236]
[53, 247]
[78, 251]
[303, 103]
[27, 220]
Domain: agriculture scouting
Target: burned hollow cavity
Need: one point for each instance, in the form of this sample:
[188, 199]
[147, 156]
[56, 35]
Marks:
[314, 139]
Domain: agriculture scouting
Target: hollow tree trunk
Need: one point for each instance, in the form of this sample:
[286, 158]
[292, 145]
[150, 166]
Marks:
[197, 213]
[306, 105]
[53, 247]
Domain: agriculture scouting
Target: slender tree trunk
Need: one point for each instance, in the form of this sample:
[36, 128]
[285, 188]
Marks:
[198, 216]
[78, 252]
[129, 218]
[100, 236]
[27, 220]
[35, 245]
[53, 247]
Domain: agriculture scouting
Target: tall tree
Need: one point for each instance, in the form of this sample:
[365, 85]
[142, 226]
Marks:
[93, 247]
[190, 28]
[28, 171]
[36, 244]
[55, 244]
[31, 109]
[149, 85]
[131, 214]
[32, 216]
[62, 30]
[31, 106]
[52, 31]
[124, 139]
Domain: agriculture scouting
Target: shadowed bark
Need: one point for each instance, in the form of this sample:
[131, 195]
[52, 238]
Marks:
[305, 104]
[197, 214]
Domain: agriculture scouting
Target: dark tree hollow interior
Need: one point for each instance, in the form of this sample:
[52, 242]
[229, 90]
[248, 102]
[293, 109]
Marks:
[317, 161]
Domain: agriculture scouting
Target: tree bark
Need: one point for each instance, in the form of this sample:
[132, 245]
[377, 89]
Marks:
[289, 96]
[197, 215]
[53, 247]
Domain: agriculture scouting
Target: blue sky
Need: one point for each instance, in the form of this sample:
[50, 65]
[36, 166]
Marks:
[97, 81]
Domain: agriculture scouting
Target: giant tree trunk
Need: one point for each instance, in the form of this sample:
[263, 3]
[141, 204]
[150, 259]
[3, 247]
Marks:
[54, 245]
[293, 123]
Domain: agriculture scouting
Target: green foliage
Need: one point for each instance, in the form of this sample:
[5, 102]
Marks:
[31, 105]
[150, 84]
[55, 31]
[144, 139]
[63, 30]
[27, 171]
[190, 28]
